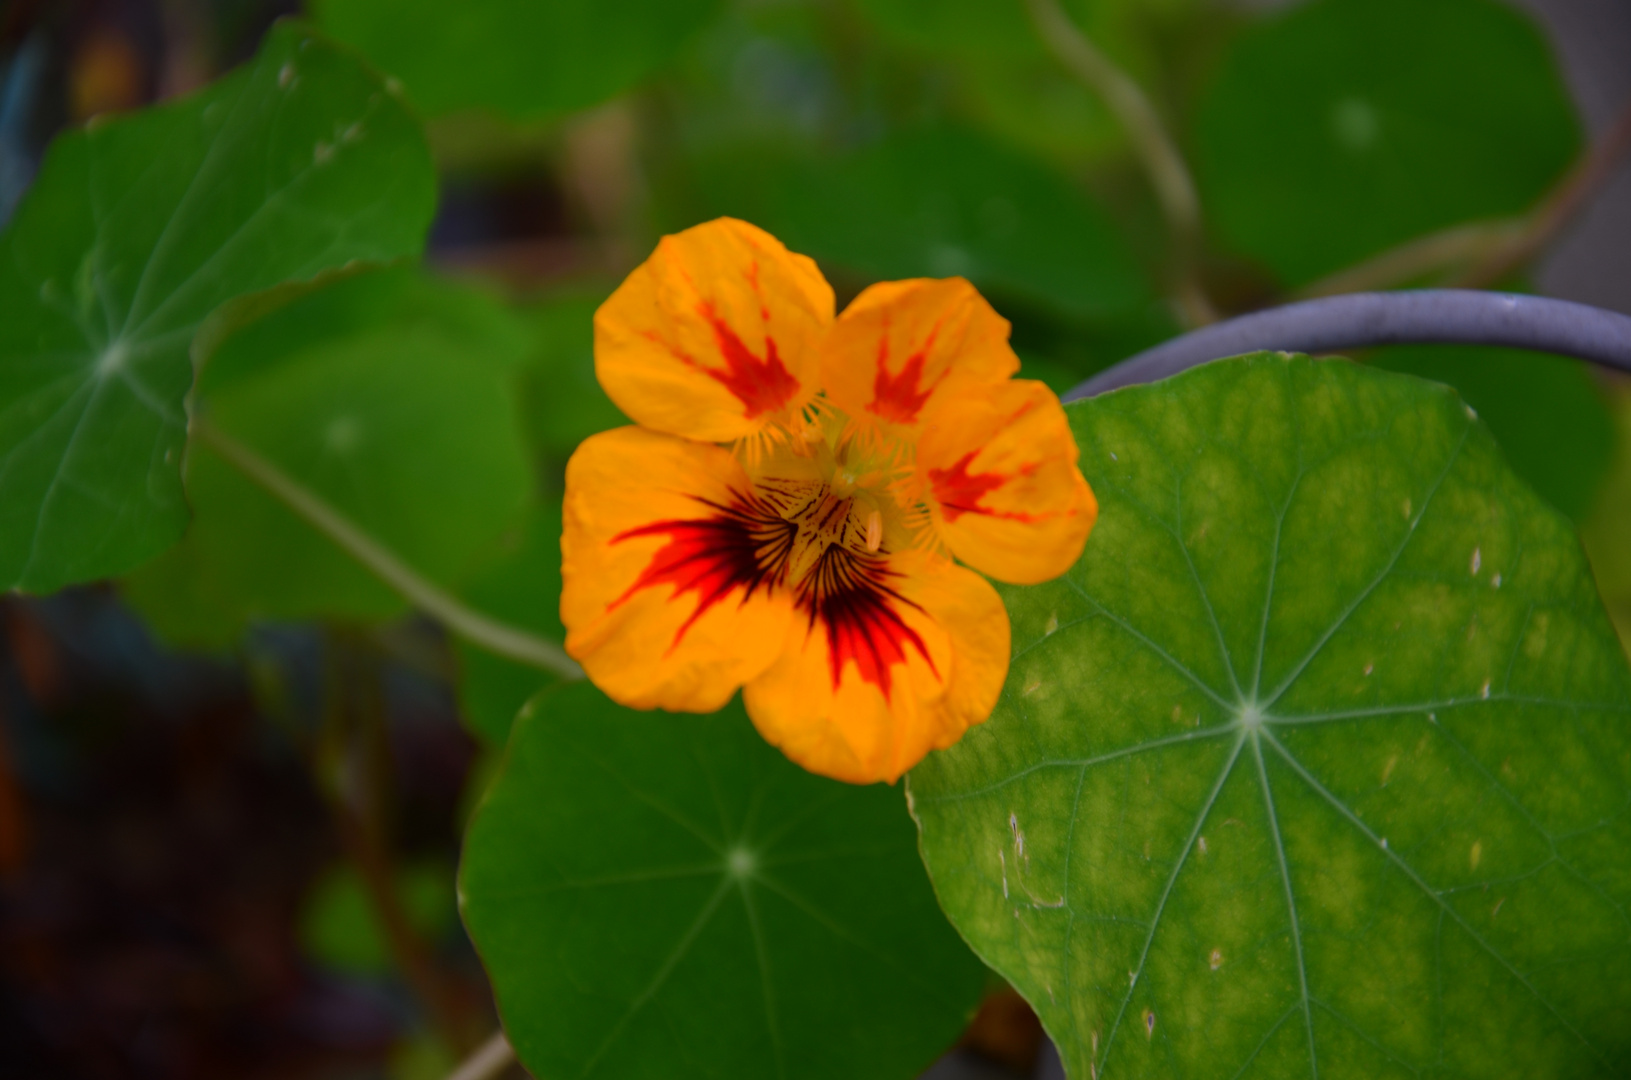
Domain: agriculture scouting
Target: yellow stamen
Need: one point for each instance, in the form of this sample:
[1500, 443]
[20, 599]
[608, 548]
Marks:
[874, 531]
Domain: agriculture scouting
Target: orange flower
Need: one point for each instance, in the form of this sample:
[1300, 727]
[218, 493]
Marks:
[785, 516]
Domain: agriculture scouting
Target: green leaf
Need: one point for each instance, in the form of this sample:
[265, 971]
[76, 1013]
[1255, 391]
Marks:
[562, 397]
[1318, 761]
[522, 587]
[408, 425]
[1606, 529]
[136, 230]
[959, 27]
[339, 929]
[396, 297]
[1343, 127]
[1546, 413]
[943, 203]
[659, 895]
[521, 59]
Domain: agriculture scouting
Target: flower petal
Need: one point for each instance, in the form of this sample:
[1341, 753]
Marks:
[872, 680]
[903, 345]
[715, 335]
[999, 473]
[669, 592]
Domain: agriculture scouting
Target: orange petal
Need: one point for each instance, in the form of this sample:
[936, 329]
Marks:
[715, 335]
[901, 346]
[999, 472]
[876, 677]
[663, 598]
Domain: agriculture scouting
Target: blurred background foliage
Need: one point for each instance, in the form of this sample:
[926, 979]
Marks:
[231, 786]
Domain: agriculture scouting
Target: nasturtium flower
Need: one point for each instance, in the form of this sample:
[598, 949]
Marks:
[790, 513]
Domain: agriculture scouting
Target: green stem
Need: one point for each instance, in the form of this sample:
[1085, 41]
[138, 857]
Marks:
[1168, 174]
[500, 638]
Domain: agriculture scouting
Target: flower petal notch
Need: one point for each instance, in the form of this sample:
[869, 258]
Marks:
[716, 335]
[788, 518]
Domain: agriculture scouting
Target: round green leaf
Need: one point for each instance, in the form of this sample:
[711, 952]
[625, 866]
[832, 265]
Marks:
[410, 429]
[1343, 127]
[521, 59]
[1546, 412]
[659, 895]
[1317, 763]
[964, 27]
[521, 585]
[138, 228]
[562, 397]
[948, 203]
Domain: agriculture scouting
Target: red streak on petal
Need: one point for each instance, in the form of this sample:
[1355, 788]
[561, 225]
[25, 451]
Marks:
[742, 546]
[897, 398]
[959, 492]
[761, 385]
[850, 596]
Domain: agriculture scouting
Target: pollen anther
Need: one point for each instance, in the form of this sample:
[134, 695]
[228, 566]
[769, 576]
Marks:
[874, 531]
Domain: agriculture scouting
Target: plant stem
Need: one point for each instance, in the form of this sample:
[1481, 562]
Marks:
[1174, 188]
[356, 747]
[490, 1058]
[1487, 251]
[500, 638]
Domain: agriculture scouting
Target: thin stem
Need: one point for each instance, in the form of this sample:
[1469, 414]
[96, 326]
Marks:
[356, 783]
[500, 638]
[490, 1058]
[1155, 148]
[1484, 252]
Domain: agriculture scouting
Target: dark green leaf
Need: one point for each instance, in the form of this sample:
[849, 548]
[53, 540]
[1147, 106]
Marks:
[1606, 529]
[1318, 760]
[659, 895]
[1343, 127]
[563, 399]
[522, 587]
[960, 27]
[1546, 413]
[137, 229]
[944, 203]
[408, 426]
[521, 59]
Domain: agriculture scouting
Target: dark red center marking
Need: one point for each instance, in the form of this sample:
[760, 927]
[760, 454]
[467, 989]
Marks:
[897, 398]
[959, 491]
[849, 595]
[747, 545]
[744, 546]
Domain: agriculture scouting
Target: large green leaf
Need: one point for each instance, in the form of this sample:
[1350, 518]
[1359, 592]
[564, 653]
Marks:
[522, 59]
[659, 895]
[1606, 529]
[940, 203]
[406, 421]
[1547, 413]
[563, 401]
[136, 230]
[1317, 763]
[521, 584]
[1343, 127]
